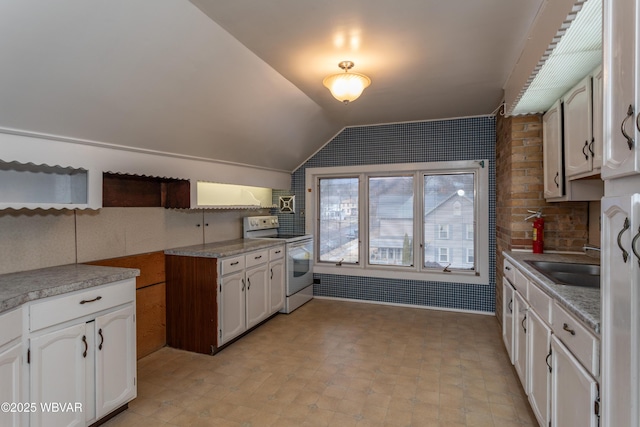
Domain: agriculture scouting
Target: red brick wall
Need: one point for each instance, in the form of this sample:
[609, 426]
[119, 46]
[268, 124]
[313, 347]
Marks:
[520, 187]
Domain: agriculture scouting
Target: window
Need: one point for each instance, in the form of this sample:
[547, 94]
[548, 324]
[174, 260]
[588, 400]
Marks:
[469, 228]
[391, 220]
[338, 227]
[443, 232]
[401, 220]
[443, 254]
[444, 194]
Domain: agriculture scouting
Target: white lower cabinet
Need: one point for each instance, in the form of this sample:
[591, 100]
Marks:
[58, 374]
[574, 392]
[520, 338]
[115, 368]
[82, 367]
[251, 289]
[620, 306]
[555, 356]
[539, 372]
[11, 366]
[257, 295]
[507, 316]
[276, 279]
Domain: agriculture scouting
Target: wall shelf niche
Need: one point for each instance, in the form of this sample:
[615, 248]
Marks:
[124, 190]
[31, 186]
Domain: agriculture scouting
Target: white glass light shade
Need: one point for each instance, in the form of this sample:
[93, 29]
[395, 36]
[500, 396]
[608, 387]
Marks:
[346, 87]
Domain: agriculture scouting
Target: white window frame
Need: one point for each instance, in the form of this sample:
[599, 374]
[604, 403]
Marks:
[417, 271]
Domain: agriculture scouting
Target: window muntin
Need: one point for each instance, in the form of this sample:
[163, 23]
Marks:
[390, 220]
[338, 220]
[445, 196]
[470, 258]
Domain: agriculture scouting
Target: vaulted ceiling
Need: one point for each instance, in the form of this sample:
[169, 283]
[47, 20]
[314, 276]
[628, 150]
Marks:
[241, 81]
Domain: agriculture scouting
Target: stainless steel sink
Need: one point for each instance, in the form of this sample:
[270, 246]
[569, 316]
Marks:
[570, 274]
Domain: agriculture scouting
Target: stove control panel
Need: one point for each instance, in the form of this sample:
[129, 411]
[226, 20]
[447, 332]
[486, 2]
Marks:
[253, 223]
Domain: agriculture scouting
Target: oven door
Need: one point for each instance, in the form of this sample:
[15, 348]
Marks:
[299, 265]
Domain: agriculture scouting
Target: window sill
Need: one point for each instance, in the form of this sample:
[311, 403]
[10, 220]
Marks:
[387, 273]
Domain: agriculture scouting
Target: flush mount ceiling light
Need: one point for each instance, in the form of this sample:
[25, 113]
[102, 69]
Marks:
[346, 87]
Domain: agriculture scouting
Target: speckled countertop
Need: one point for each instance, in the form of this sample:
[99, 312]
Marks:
[583, 302]
[224, 249]
[19, 288]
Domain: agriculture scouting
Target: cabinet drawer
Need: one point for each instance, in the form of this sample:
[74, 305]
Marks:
[520, 282]
[577, 338]
[257, 257]
[10, 326]
[509, 271]
[59, 309]
[540, 302]
[276, 253]
[233, 264]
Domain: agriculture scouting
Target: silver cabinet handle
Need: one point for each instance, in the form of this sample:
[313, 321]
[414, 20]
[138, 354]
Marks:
[625, 227]
[524, 319]
[547, 360]
[591, 147]
[633, 245]
[624, 133]
[101, 339]
[555, 179]
[248, 283]
[242, 285]
[85, 301]
[511, 305]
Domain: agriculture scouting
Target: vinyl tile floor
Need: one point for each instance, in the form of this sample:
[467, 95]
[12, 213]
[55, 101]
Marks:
[336, 363]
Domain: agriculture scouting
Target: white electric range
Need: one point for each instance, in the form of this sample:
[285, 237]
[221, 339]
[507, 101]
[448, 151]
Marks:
[298, 255]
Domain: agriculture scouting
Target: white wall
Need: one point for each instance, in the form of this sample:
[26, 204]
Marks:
[37, 239]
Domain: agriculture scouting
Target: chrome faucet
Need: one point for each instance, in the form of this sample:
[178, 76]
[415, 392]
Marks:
[585, 248]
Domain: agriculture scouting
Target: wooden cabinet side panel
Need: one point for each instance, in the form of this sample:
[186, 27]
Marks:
[151, 325]
[151, 266]
[151, 328]
[191, 292]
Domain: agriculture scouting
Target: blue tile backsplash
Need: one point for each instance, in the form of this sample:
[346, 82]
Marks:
[443, 140]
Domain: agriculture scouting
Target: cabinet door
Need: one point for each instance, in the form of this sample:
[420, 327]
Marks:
[277, 292]
[507, 316]
[258, 298]
[621, 156]
[620, 308]
[598, 118]
[577, 129]
[539, 375]
[57, 374]
[115, 360]
[573, 390]
[552, 152]
[520, 338]
[11, 380]
[232, 306]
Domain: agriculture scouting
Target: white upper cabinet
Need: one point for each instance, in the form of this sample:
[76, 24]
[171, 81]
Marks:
[552, 151]
[578, 129]
[621, 155]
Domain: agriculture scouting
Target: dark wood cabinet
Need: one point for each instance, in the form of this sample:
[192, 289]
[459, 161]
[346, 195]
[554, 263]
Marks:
[192, 308]
[122, 190]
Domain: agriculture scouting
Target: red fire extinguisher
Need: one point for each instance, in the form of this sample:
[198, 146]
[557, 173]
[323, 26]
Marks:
[538, 231]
